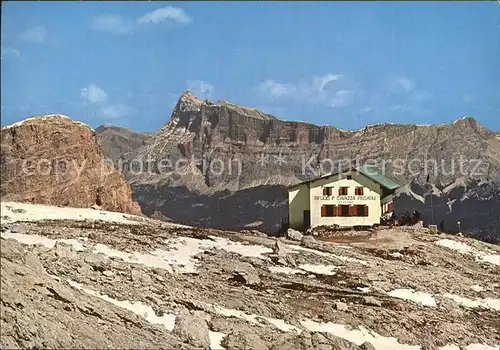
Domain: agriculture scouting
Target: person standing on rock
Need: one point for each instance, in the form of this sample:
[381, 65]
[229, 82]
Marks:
[441, 226]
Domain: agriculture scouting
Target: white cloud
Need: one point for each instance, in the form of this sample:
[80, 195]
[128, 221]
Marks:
[8, 51]
[200, 88]
[36, 35]
[319, 84]
[167, 13]
[277, 90]
[93, 94]
[115, 111]
[342, 98]
[323, 89]
[115, 24]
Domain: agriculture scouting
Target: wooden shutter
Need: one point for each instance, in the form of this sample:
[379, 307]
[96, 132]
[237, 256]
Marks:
[352, 210]
[366, 210]
[323, 210]
[361, 191]
[330, 191]
[325, 191]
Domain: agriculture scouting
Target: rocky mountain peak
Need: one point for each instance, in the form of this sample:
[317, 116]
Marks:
[52, 159]
[47, 118]
[188, 101]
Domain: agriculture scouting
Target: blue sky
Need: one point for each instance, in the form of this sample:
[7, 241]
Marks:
[335, 63]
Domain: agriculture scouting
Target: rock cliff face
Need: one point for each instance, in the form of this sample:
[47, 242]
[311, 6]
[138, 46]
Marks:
[221, 146]
[116, 142]
[220, 153]
[54, 160]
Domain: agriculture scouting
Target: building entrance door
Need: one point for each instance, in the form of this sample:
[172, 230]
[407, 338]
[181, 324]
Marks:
[307, 219]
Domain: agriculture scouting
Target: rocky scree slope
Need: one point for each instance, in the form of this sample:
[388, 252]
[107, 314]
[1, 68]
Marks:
[77, 282]
[54, 160]
[223, 195]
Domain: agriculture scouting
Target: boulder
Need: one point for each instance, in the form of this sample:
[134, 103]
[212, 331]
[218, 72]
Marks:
[64, 250]
[247, 340]
[367, 346]
[294, 235]
[192, 328]
[310, 242]
[371, 301]
[246, 274]
[340, 306]
[280, 248]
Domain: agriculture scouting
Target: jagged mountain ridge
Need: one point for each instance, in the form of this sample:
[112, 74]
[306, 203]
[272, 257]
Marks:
[227, 133]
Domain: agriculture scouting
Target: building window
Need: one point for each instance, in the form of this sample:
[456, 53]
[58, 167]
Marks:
[327, 191]
[349, 177]
[328, 210]
[359, 191]
[343, 191]
[361, 210]
[345, 210]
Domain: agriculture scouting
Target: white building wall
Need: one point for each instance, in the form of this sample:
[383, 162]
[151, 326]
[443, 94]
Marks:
[371, 198]
[298, 201]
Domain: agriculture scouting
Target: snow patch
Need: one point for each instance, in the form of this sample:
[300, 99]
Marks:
[459, 182]
[450, 205]
[324, 254]
[460, 119]
[137, 307]
[216, 340]
[423, 298]
[256, 319]
[253, 224]
[407, 190]
[45, 117]
[248, 250]
[38, 212]
[36, 239]
[357, 336]
[477, 288]
[147, 312]
[470, 347]
[285, 270]
[488, 303]
[179, 258]
[463, 248]
[328, 270]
